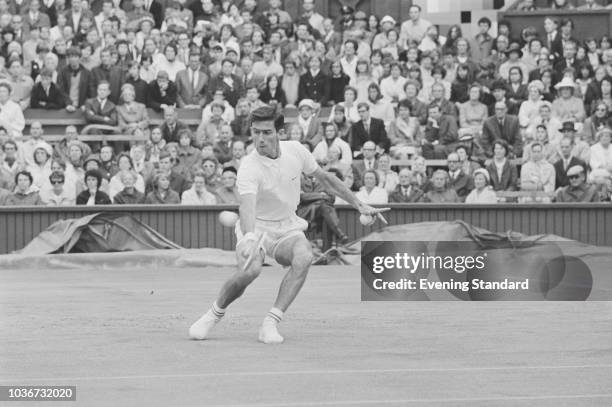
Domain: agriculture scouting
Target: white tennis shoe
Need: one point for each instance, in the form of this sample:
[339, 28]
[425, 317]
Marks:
[268, 333]
[201, 328]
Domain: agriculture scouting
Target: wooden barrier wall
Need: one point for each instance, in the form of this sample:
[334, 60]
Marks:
[193, 227]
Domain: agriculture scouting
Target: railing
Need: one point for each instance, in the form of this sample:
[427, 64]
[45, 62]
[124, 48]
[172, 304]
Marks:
[195, 226]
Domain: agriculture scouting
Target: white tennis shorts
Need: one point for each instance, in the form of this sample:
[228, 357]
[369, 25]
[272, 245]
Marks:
[276, 231]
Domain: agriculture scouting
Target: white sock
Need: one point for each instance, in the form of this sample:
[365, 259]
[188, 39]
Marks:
[217, 311]
[274, 315]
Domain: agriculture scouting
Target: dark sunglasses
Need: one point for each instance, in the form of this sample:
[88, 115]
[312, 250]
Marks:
[57, 182]
[574, 176]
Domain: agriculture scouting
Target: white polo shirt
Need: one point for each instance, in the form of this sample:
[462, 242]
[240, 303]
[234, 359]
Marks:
[276, 183]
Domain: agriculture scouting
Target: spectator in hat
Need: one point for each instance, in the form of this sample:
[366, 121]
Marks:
[46, 94]
[40, 169]
[387, 23]
[514, 55]
[577, 190]
[56, 194]
[601, 152]
[566, 161]
[161, 93]
[581, 149]
[92, 195]
[25, 193]
[482, 192]
[310, 125]
[567, 106]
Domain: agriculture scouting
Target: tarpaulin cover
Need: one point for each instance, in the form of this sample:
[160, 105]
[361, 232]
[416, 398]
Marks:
[100, 232]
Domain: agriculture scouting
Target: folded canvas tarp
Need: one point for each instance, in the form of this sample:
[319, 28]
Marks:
[100, 232]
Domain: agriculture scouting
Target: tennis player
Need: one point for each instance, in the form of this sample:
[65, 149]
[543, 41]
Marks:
[269, 187]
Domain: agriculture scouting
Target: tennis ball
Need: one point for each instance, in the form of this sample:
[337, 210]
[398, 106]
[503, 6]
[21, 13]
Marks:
[228, 219]
[366, 220]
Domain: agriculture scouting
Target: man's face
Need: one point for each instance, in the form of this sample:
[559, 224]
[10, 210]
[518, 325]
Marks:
[229, 179]
[414, 13]
[566, 148]
[225, 135]
[536, 153]
[36, 130]
[265, 138]
[435, 114]
[438, 180]
[170, 116]
[437, 92]
[453, 162]
[405, 178]
[10, 150]
[483, 28]
[227, 68]
[238, 150]
[314, 64]
[194, 62]
[461, 47]
[308, 5]
[103, 91]
[4, 94]
[106, 153]
[545, 113]
[569, 51]
[23, 183]
[45, 81]
[165, 164]
[369, 150]
[199, 184]
[500, 112]
[364, 113]
[305, 112]
[105, 58]
[267, 54]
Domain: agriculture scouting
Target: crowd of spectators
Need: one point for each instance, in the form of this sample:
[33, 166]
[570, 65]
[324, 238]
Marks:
[530, 114]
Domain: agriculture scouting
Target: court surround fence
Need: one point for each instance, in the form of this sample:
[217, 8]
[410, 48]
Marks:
[195, 226]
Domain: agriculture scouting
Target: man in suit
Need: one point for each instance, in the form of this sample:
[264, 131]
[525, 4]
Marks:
[133, 78]
[46, 94]
[567, 61]
[502, 126]
[314, 84]
[109, 73]
[405, 191]
[75, 14]
[441, 134]
[567, 161]
[178, 183]
[75, 81]
[249, 79]
[100, 110]
[553, 36]
[34, 17]
[222, 148]
[369, 162]
[368, 129]
[172, 126]
[458, 180]
[191, 84]
[161, 92]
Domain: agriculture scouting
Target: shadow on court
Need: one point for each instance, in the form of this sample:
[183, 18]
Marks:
[120, 336]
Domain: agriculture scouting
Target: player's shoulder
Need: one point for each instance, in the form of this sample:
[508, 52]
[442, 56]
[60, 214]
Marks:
[293, 146]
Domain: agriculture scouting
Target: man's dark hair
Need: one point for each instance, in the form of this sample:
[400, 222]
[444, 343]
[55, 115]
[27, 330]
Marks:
[230, 169]
[485, 20]
[265, 114]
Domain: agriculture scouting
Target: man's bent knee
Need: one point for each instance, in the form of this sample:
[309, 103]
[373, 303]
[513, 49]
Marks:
[302, 258]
